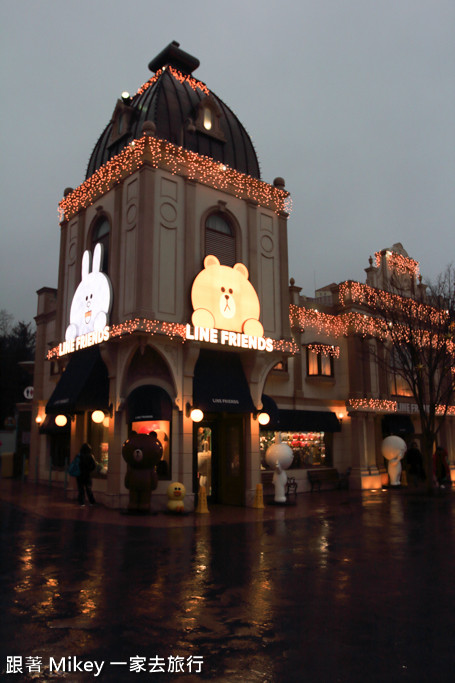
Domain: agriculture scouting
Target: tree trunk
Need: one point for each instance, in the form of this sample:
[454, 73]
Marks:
[428, 441]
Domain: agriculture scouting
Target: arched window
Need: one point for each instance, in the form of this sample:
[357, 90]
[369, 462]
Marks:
[101, 233]
[149, 409]
[220, 239]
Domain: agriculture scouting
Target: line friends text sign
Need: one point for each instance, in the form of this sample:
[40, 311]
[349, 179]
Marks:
[226, 338]
[83, 341]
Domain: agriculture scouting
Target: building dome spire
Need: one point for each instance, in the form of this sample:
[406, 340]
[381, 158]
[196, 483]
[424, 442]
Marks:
[184, 112]
[172, 55]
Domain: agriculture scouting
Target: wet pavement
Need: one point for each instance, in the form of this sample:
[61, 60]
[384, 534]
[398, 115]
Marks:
[342, 586]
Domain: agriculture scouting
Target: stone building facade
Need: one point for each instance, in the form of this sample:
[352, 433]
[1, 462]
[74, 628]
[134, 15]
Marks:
[173, 295]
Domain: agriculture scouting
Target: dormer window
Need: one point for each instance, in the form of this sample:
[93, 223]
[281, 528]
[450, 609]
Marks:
[207, 119]
[121, 121]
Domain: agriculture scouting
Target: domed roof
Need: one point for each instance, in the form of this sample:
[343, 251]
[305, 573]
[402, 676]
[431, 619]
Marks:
[184, 111]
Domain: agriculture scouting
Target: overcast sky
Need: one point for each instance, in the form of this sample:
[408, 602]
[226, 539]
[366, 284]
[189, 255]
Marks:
[351, 101]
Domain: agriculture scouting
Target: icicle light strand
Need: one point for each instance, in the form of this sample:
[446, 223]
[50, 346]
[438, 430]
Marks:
[401, 264]
[182, 78]
[163, 154]
[371, 404]
[374, 324]
[325, 350]
[172, 330]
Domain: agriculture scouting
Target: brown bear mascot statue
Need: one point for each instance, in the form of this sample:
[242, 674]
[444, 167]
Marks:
[142, 453]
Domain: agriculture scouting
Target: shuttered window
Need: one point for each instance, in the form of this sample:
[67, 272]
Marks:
[101, 234]
[220, 239]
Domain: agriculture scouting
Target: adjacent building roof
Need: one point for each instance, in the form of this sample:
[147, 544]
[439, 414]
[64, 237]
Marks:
[176, 107]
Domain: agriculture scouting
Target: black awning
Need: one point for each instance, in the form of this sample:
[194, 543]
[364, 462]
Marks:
[397, 424]
[306, 421]
[149, 402]
[51, 429]
[83, 386]
[219, 384]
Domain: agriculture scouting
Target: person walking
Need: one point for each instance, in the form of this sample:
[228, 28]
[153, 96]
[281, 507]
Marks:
[87, 464]
[414, 463]
[441, 469]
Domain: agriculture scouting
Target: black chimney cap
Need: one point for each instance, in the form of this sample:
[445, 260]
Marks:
[172, 55]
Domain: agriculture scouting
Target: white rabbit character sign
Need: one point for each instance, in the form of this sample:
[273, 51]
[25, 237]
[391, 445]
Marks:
[90, 307]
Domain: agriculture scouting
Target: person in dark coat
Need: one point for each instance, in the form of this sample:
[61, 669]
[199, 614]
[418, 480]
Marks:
[87, 464]
[414, 463]
[441, 468]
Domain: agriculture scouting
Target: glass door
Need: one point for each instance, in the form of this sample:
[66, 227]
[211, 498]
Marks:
[204, 458]
[232, 460]
[220, 458]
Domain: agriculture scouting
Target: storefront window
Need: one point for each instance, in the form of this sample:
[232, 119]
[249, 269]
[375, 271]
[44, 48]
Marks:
[204, 458]
[98, 438]
[163, 432]
[310, 449]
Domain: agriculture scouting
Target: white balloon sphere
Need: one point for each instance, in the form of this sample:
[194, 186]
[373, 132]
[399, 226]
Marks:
[393, 447]
[279, 454]
[393, 450]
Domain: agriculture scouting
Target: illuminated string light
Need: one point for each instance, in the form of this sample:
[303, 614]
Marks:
[170, 157]
[441, 409]
[172, 330]
[379, 404]
[182, 78]
[380, 300]
[374, 323]
[385, 406]
[325, 350]
[403, 265]
[285, 346]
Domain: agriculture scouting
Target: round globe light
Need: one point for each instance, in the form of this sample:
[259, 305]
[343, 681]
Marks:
[263, 419]
[196, 415]
[98, 416]
[61, 420]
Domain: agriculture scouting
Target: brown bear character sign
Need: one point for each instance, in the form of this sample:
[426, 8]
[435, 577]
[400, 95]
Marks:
[142, 453]
[224, 298]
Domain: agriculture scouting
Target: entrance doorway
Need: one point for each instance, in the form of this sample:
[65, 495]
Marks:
[219, 458]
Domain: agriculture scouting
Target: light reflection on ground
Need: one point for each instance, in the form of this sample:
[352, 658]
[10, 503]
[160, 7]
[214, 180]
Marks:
[304, 599]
